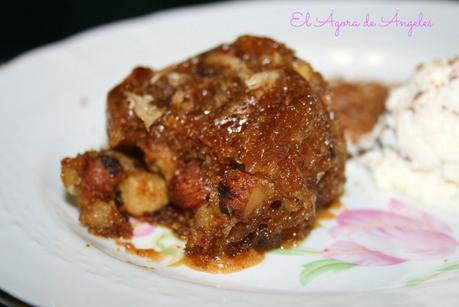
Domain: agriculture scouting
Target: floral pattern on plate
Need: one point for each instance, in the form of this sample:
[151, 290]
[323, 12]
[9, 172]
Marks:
[360, 238]
[158, 238]
[372, 237]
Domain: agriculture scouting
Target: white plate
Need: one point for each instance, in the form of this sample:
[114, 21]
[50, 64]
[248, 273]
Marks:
[52, 105]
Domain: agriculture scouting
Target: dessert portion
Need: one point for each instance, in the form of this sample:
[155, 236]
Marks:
[417, 140]
[234, 149]
[359, 106]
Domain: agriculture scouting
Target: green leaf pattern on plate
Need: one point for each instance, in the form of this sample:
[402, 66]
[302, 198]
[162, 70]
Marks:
[167, 244]
[316, 268]
[428, 276]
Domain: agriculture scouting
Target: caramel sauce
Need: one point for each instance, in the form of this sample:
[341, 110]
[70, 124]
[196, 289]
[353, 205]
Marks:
[292, 243]
[225, 265]
[151, 254]
[327, 214]
[220, 265]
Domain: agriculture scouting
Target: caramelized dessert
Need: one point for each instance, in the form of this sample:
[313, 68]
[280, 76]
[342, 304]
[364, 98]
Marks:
[234, 149]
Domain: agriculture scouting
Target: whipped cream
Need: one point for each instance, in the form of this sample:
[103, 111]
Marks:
[416, 148]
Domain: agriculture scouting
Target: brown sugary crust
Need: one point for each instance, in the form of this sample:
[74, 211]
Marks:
[246, 137]
[359, 105]
[93, 179]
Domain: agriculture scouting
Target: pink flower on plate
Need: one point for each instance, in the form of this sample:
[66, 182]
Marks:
[379, 237]
[141, 229]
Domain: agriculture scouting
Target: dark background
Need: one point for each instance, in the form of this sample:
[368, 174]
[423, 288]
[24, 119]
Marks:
[28, 24]
[25, 24]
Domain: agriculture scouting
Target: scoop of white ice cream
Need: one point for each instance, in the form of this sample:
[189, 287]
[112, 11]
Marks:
[418, 147]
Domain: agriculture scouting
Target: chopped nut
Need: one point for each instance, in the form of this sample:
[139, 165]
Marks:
[303, 68]
[100, 174]
[262, 79]
[181, 101]
[143, 108]
[162, 159]
[176, 79]
[188, 189]
[143, 192]
[241, 193]
[233, 62]
[100, 216]
[70, 177]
